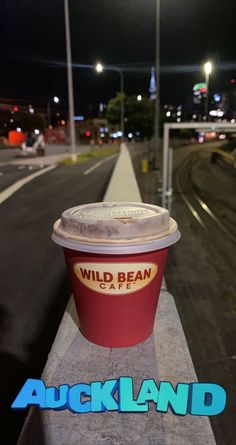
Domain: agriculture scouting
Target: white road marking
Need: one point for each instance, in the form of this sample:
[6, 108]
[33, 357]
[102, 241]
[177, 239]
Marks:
[18, 184]
[89, 170]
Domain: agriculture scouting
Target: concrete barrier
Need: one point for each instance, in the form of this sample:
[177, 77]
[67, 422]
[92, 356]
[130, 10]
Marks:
[164, 356]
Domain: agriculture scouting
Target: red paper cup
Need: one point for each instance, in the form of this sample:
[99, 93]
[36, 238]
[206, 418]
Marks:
[115, 280]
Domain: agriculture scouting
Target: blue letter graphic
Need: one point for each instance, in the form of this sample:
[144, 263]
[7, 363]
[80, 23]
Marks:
[126, 401]
[32, 393]
[176, 400]
[102, 396]
[57, 398]
[74, 398]
[206, 399]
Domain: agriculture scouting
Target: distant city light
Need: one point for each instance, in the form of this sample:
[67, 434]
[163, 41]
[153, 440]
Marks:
[199, 88]
[168, 113]
[18, 129]
[137, 133]
[222, 136]
[232, 121]
[119, 134]
[201, 139]
[102, 135]
[50, 127]
[11, 120]
[63, 122]
[78, 118]
[178, 119]
[88, 133]
[114, 135]
[217, 113]
[15, 109]
[99, 67]
[178, 113]
[204, 118]
[36, 131]
[194, 116]
[139, 97]
[56, 99]
[130, 135]
[217, 97]
[31, 109]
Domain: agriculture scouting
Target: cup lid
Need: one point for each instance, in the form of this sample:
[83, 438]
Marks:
[118, 224]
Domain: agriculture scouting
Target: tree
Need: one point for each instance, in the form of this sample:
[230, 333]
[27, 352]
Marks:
[139, 115]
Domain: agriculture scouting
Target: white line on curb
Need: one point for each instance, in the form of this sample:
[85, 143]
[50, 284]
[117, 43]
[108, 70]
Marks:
[89, 170]
[17, 185]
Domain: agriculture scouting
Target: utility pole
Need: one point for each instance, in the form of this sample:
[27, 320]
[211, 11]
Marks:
[157, 100]
[70, 83]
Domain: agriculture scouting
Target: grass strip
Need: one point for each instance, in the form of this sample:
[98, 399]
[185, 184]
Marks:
[93, 153]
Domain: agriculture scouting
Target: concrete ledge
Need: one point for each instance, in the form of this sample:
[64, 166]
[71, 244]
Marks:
[123, 184]
[163, 356]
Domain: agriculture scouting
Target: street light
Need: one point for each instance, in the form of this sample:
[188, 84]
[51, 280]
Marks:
[208, 70]
[157, 98]
[70, 83]
[56, 100]
[139, 97]
[99, 68]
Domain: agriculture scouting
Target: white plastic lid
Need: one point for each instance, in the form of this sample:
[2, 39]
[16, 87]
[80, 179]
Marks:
[114, 227]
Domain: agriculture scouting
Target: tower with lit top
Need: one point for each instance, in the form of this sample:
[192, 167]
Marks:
[152, 85]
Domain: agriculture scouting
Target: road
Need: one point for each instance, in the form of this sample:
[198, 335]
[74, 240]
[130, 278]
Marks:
[33, 284]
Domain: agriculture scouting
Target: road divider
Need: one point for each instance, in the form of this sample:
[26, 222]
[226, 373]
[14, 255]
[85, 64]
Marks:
[89, 170]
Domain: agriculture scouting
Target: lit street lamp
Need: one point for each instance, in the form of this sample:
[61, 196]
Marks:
[99, 68]
[56, 100]
[208, 70]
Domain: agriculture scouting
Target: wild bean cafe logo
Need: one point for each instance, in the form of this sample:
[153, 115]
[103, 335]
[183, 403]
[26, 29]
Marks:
[115, 278]
[198, 399]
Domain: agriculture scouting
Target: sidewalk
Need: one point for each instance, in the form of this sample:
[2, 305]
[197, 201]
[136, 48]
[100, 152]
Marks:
[163, 356]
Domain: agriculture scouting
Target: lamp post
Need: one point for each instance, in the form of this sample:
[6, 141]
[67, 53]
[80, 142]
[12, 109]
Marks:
[99, 68]
[157, 98]
[70, 83]
[56, 100]
[208, 70]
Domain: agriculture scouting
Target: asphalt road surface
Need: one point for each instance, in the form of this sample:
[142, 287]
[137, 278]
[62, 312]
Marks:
[33, 284]
[9, 174]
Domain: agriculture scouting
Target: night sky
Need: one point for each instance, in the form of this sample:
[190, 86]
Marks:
[32, 47]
